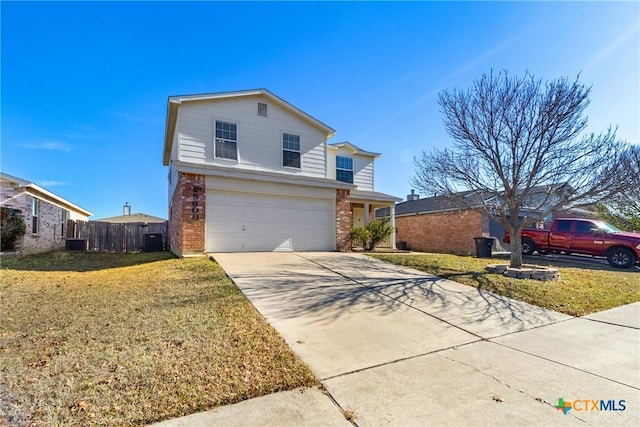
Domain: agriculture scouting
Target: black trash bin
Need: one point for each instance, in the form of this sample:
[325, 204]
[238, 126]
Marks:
[484, 245]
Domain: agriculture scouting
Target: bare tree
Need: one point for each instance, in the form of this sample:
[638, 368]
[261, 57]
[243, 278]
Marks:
[518, 146]
[630, 198]
[623, 209]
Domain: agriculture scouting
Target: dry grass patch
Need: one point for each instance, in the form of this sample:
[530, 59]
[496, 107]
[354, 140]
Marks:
[131, 339]
[578, 292]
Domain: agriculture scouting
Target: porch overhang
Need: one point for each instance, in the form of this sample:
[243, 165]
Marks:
[370, 201]
[374, 198]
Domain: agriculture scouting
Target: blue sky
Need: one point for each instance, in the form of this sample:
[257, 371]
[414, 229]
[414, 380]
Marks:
[85, 85]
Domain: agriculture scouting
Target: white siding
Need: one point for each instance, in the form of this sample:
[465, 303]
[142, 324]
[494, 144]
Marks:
[259, 138]
[363, 173]
[331, 164]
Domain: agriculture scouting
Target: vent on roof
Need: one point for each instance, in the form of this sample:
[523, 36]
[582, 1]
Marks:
[126, 209]
[413, 196]
[262, 109]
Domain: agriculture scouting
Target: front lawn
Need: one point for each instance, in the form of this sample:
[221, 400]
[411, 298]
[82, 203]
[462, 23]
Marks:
[130, 339]
[578, 292]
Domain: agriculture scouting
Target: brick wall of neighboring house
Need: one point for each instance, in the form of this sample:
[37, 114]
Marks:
[49, 232]
[343, 220]
[443, 232]
[187, 215]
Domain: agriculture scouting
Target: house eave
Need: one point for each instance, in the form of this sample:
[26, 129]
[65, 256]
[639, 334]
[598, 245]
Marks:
[359, 195]
[169, 130]
[45, 194]
[132, 218]
[41, 193]
[354, 149]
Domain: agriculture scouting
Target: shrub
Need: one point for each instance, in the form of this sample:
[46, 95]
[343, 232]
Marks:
[380, 230]
[372, 234]
[359, 237]
[12, 227]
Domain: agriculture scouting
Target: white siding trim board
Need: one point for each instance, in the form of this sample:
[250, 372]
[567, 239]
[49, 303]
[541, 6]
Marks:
[265, 176]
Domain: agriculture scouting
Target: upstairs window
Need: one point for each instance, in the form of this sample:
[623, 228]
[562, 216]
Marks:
[291, 150]
[35, 213]
[226, 144]
[344, 169]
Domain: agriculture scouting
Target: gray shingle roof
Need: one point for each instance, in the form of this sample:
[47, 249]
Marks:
[135, 217]
[461, 200]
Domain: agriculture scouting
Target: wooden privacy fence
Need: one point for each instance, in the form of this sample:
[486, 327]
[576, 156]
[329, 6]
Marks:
[121, 238]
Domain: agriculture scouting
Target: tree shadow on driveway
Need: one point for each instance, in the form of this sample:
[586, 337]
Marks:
[328, 287]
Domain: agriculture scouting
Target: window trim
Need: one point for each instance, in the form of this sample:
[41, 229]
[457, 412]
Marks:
[347, 170]
[35, 215]
[215, 140]
[64, 217]
[283, 149]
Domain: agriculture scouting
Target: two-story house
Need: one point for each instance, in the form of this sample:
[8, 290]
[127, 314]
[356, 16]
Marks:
[250, 172]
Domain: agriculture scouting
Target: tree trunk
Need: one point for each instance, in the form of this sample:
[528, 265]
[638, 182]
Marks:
[516, 249]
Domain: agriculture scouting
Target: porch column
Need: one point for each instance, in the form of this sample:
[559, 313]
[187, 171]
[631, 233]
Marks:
[392, 214]
[366, 213]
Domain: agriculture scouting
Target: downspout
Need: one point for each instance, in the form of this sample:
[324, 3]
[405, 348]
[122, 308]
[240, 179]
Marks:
[392, 211]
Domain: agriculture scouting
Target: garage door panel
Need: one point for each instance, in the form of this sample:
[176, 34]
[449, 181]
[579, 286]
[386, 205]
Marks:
[238, 222]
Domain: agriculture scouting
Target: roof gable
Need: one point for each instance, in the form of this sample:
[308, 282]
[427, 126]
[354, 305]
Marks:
[353, 148]
[174, 103]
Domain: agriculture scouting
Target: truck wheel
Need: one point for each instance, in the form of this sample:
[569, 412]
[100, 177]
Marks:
[528, 247]
[621, 257]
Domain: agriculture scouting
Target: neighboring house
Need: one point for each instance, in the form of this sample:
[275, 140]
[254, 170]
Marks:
[134, 217]
[443, 224]
[438, 224]
[250, 172]
[128, 217]
[44, 213]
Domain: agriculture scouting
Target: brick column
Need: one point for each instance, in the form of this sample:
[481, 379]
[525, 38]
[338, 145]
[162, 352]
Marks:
[187, 217]
[343, 220]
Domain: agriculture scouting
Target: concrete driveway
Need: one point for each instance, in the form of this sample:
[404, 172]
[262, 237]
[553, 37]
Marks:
[396, 346]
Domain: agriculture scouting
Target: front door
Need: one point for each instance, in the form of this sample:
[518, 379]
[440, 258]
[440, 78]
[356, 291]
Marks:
[358, 219]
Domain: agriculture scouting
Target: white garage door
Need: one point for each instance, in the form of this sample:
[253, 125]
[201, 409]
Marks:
[245, 222]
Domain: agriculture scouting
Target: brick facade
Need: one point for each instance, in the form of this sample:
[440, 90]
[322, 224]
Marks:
[343, 220]
[51, 219]
[187, 215]
[443, 232]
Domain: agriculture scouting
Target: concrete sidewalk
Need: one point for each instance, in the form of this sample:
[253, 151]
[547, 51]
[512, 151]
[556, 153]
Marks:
[397, 346]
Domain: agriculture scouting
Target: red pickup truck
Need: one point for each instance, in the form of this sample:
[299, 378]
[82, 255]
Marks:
[583, 236]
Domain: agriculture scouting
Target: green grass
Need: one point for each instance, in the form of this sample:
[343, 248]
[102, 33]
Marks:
[107, 339]
[579, 291]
